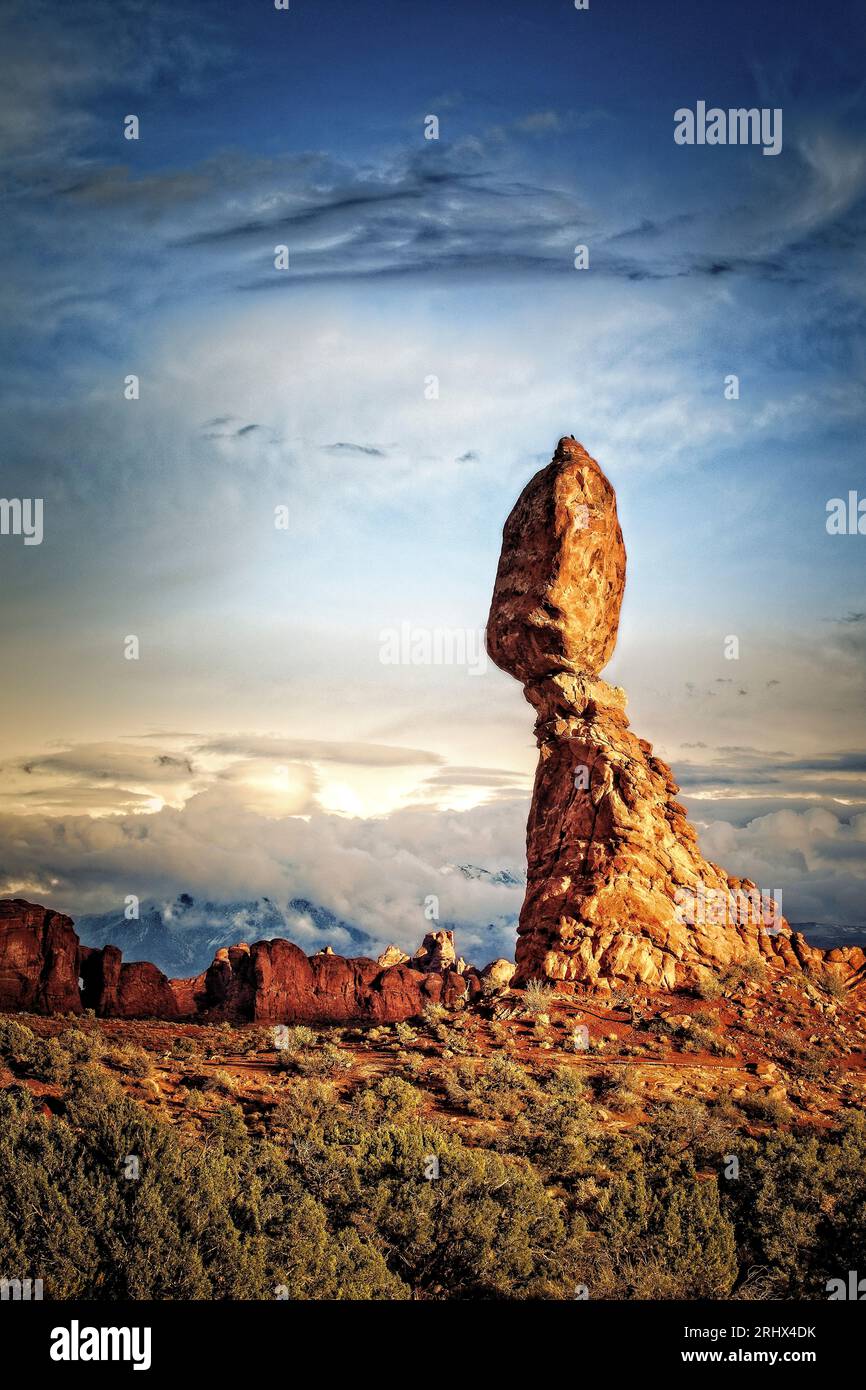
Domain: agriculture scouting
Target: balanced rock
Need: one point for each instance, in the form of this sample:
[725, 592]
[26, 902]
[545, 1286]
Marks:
[561, 573]
[617, 888]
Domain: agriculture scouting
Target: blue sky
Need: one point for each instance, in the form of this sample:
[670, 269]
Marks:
[259, 712]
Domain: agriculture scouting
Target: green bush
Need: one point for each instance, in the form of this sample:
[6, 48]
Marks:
[16, 1042]
[364, 1195]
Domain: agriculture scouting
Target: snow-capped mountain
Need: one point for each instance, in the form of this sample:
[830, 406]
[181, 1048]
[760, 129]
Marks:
[182, 937]
[506, 877]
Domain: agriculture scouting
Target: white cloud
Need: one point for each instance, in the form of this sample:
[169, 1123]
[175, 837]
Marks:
[375, 874]
[817, 858]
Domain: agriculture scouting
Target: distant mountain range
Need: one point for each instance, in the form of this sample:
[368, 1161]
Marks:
[182, 937]
[502, 876]
[827, 937]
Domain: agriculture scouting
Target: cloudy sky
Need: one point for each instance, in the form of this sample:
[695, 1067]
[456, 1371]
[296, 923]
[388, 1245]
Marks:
[260, 744]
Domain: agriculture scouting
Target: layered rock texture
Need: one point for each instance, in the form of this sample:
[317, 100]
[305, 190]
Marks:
[617, 889]
[44, 969]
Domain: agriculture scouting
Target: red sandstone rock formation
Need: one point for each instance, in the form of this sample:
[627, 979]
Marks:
[38, 960]
[617, 888]
[274, 982]
[437, 952]
[44, 969]
[115, 990]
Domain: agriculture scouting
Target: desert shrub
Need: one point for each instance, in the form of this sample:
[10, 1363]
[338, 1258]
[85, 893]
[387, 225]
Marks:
[750, 971]
[336, 1198]
[492, 1089]
[557, 1128]
[709, 987]
[254, 1040]
[82, 1045]
[218, 1081]
[291, 1040]
[226, 1126]
[16, 1041]
[833, 986]
[800, 1207]
[327, 1060]
[767, 1110]
[391, 1100]
[486, 1227]
[660, 1229]
[227, 1220]
[49, 1061]
[708, 1041]
[617, 1090]
[131, 1059]
[436, 1020]
[405, 1035]
[538, 997]
[665, 1028]
[222, 1081]
[457, 1044]
[622, 997]
[449, 1029]
[706, 1132]
[183, 1048]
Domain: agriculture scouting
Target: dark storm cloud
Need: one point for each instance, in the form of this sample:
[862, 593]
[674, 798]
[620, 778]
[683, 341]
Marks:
[837, 775]
[348, 448]
[108, 762]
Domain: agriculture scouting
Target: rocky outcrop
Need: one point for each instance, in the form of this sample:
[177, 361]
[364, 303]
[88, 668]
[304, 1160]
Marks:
[437, 952]
[44, 969]
[561, 573]
[274, 982]
[115, 990]
[38, 960]
[392, 955]
[617, 888]
[498, 974]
